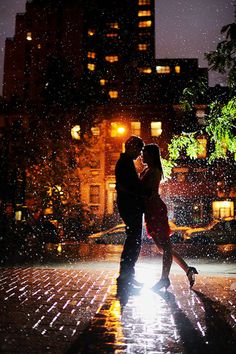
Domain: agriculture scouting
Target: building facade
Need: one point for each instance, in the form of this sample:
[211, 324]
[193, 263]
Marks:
[102, 54]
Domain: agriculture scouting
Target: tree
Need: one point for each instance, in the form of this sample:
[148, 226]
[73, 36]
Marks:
[221, 118]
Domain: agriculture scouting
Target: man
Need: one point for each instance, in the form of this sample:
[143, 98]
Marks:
[131, 207]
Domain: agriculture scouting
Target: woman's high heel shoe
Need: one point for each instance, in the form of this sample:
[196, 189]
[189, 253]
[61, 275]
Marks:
[162, 283]
[191, 275]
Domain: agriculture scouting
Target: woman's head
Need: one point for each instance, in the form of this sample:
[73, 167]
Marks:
[151, 156]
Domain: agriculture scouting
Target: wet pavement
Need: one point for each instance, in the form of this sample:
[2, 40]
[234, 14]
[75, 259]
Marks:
[66, 310]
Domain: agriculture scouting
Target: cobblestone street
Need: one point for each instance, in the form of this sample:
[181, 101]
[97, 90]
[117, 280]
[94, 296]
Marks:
[56, 310]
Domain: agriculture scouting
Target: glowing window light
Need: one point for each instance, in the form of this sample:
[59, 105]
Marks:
[75, 132]
[143, 13]
[111, 58]
[203, 143]
[142, 46]
[95, 131]
[156, 129]
[113, 94]
[117, 129]
[111, 35]
[91, 67]
[91, 32]
[144, 2]
[177, 69]
[143, 24]
[135, 128]
[102, 82]
[39, 46]
[223, 208]
[114, 25]
[29, 36]
[145, 70]
[163, 69]
[91, 55]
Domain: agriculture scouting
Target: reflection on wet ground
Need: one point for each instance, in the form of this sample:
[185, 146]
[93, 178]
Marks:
[177, 321]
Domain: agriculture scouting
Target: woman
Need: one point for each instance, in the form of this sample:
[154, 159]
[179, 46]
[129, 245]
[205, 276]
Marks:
[156, 218]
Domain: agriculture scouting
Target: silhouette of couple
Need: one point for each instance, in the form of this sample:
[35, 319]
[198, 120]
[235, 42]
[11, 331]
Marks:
[138, 195]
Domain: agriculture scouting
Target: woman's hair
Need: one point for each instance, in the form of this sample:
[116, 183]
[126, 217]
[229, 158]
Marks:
[154, 151]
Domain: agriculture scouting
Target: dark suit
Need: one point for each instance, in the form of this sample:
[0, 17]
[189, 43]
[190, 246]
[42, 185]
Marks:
[131, 207]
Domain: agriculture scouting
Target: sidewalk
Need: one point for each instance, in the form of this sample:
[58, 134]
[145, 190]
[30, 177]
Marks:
[66, 311]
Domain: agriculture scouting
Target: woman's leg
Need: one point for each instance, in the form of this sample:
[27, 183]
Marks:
[180, 261]
[166, 250]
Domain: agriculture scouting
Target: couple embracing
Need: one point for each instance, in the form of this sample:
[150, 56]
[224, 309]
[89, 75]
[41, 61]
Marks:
[138, 195]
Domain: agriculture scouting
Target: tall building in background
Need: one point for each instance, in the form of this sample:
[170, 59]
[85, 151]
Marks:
[102, 53]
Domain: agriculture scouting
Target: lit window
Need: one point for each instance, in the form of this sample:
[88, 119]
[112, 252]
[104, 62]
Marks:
[144, 2]
[135, 128]
[142, 24]
[75, 132]
[95, 131]
[163, 69]
[91, 67]
[91, 55]
[103, 82]
[91, 32]
[223, 209]
[145, 70]
[111, 35]
[113, 94]
[117, 129]
[156, 128]
[114, 25]
[144, 13]
[200, 114]
[177, 69]
[142, 47]
[94, 194]
[29, 36]
[111, 58]
[203, 142]
[39, 46]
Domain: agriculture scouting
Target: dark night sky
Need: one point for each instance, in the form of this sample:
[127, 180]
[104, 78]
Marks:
[184, 28]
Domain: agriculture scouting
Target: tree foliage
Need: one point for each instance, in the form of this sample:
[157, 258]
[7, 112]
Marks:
[220, 120]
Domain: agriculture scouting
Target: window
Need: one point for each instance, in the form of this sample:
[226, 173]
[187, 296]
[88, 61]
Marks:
[91, 55]
[111, 58]
[111, 35]
[29, 36]
[144, 13]
[102, 82]
[94, 194]
[145, 70]
[91, 32]
[114, 25]
[156, 128]
[142, 46]
[135, 128]
[143, 24]
[95, 131]
[75, 132]
[223, 208]
[144, 2]
[91, 66]
[163, 69]
[177, 69]
[113, 94]
[203, 142]
[117, 129]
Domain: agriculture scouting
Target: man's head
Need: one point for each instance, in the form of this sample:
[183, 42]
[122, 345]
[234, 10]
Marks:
[134, 146]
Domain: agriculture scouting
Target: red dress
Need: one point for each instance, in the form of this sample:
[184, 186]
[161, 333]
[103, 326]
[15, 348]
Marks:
[156, 218]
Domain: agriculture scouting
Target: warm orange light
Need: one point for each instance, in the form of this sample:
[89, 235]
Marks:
[145, 70]
[102, 82]
[145, 24]
[29, 36]
[142, 13]
[163, 69]
[111, 58]
[177, 69]
[91, 67]
[120, 130]
[113, 94]
[75, 132]
[142, 46]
